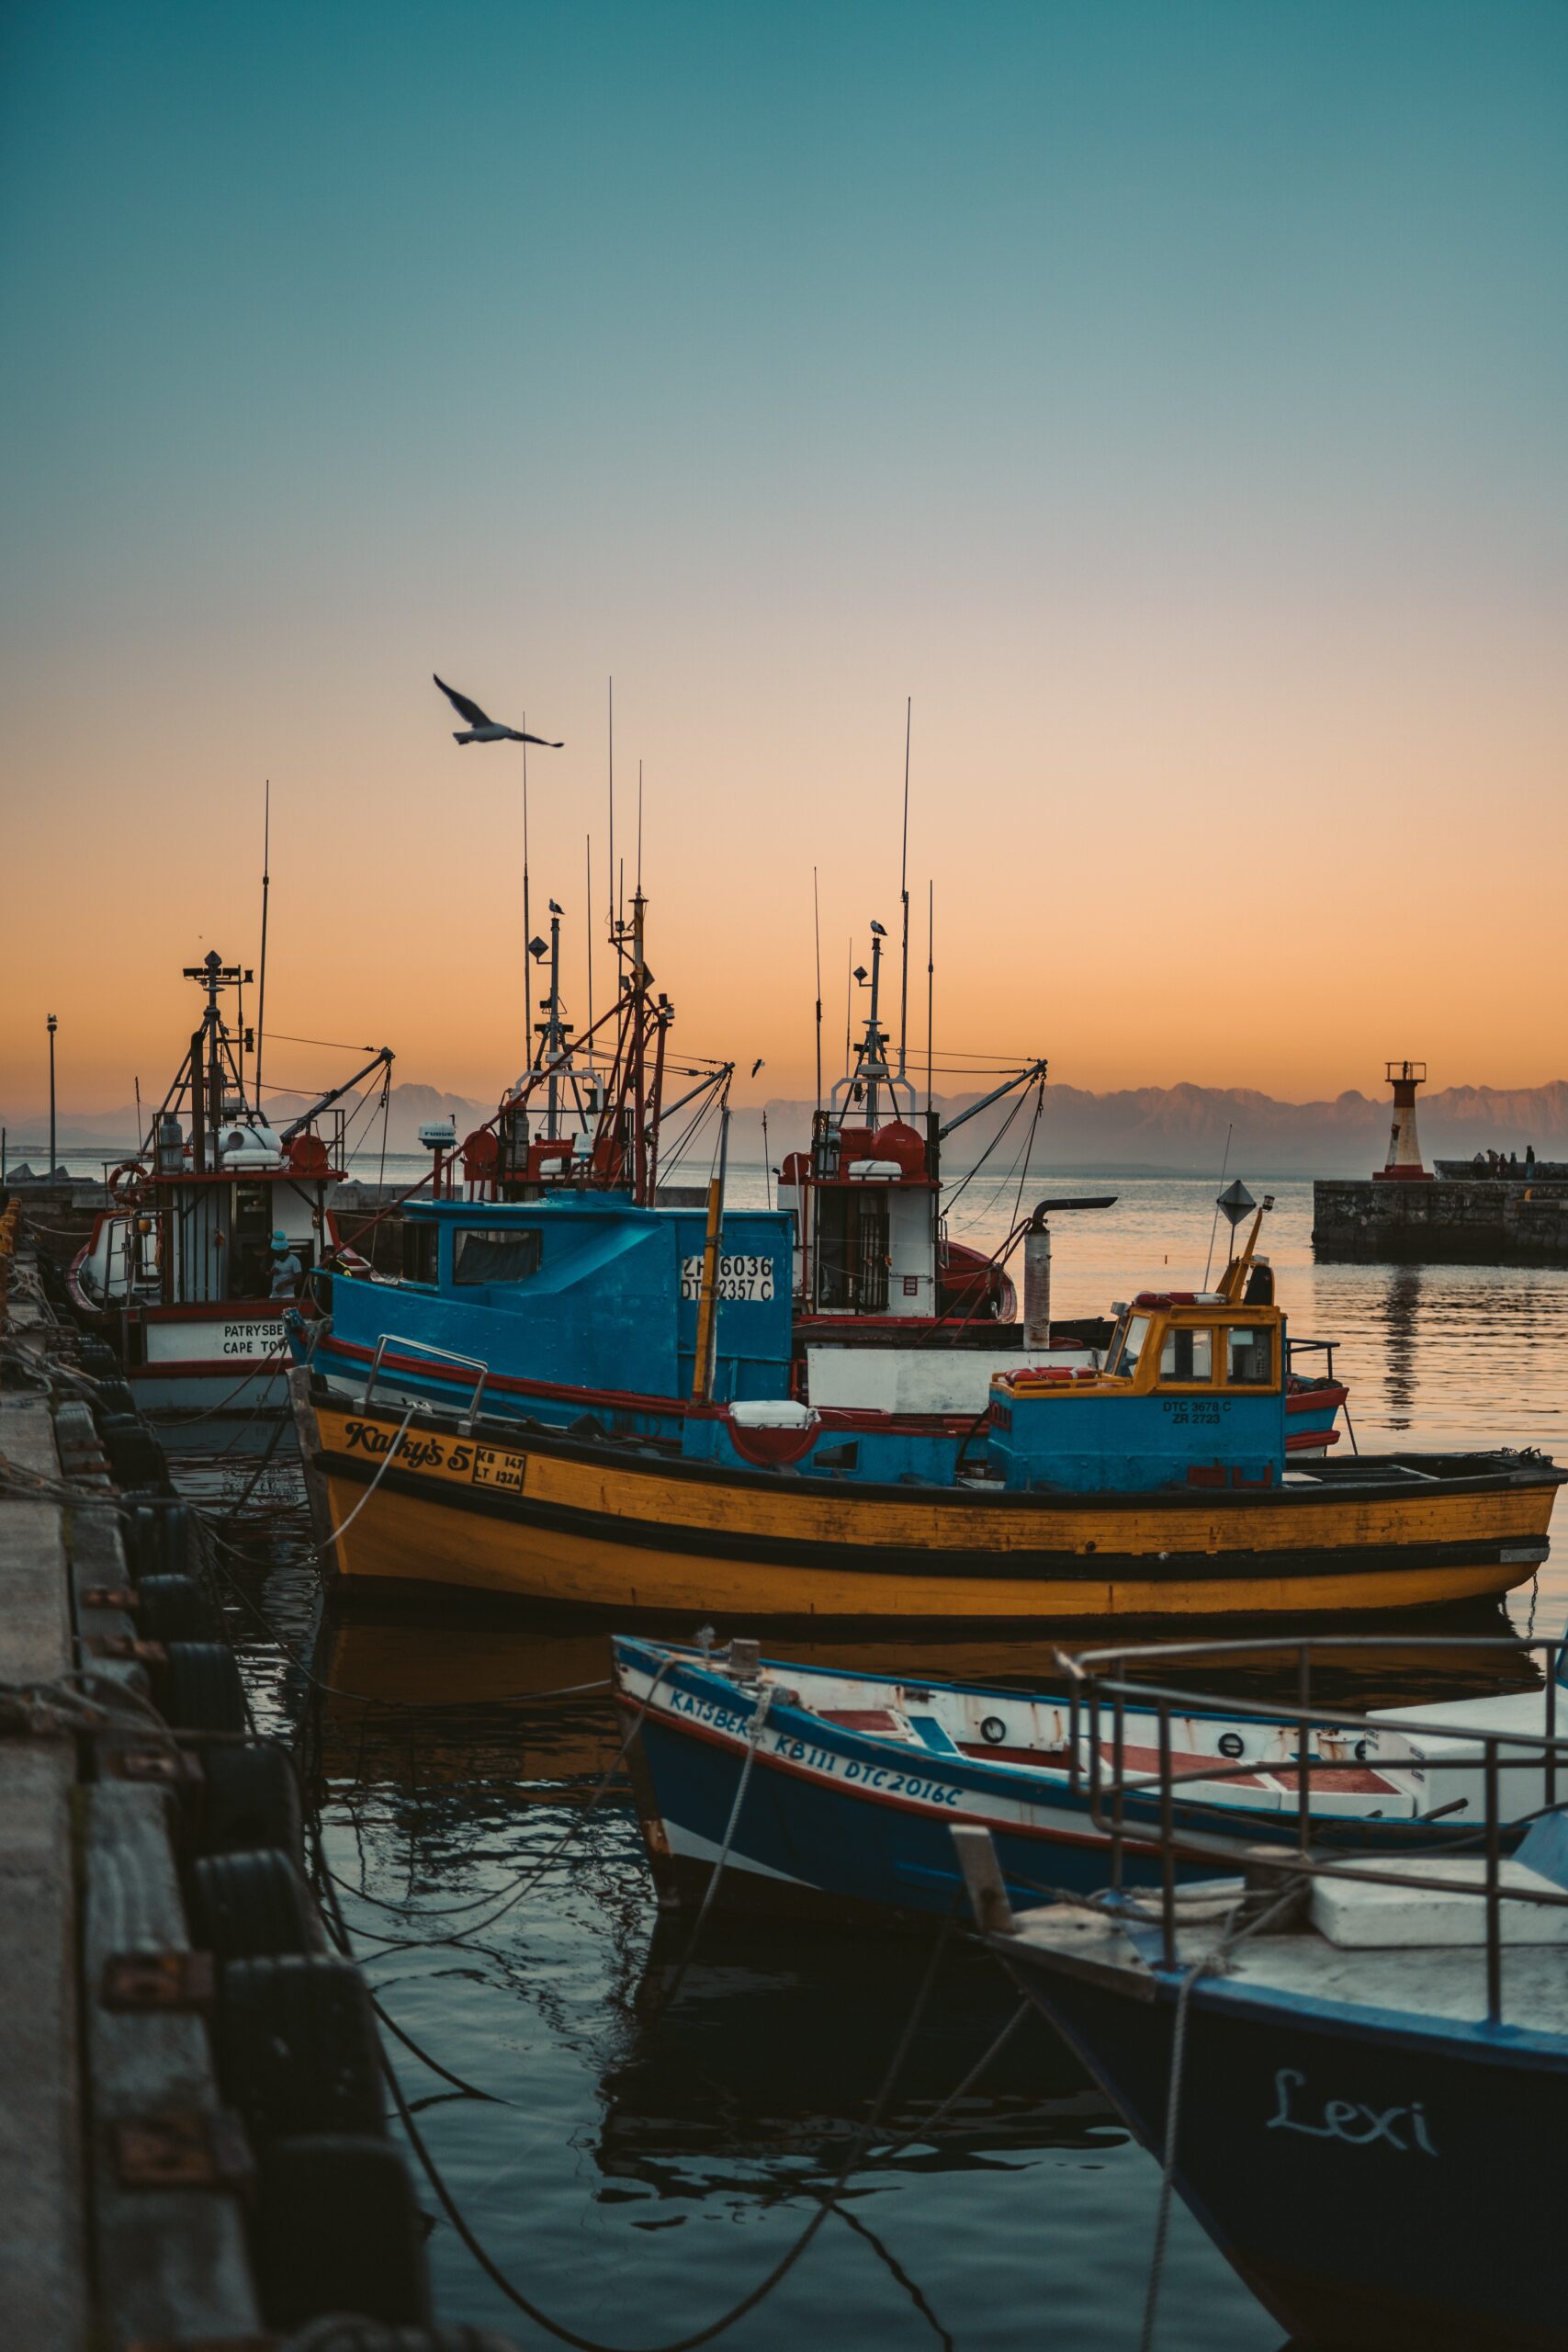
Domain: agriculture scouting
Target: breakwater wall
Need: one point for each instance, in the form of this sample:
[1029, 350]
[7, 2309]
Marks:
[1487, 1222]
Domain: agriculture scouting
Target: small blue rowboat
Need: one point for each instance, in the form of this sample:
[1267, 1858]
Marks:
[852, 1783]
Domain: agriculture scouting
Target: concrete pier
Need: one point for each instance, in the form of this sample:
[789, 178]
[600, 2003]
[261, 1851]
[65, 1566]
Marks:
[42, 2267]
[1488, 1222]
[130, 2187]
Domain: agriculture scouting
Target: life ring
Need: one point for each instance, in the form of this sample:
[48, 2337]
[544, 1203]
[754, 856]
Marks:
[125, 1185]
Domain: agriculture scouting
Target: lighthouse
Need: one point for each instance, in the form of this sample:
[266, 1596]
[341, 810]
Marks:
[1403, 1165]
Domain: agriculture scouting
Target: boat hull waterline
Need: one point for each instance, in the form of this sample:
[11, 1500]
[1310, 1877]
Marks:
[1346, 2162]
[597, 1527]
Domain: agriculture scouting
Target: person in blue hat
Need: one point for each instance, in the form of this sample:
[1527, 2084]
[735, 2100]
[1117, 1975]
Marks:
[286, 1268]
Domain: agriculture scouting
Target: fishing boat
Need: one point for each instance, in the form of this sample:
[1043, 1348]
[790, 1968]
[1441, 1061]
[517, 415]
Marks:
[818, 1792]
[880, 1321]
[1156, 1485]
[178, 1269]
[1355, 2067]
[891, 1313]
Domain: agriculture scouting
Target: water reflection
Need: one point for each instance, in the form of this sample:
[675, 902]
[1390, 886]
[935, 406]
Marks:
[1402, 1300]
[778, 2045]
[407, 1663]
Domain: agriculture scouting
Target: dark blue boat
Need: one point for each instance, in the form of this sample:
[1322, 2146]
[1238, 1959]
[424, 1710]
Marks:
[1369, 2106]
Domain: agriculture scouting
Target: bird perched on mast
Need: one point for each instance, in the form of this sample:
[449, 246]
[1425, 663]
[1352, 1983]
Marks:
[483, 729]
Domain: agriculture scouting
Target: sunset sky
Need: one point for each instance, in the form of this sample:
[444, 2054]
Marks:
[1171, 398]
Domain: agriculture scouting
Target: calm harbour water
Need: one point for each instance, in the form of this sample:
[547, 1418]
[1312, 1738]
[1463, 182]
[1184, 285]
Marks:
[642, 2165]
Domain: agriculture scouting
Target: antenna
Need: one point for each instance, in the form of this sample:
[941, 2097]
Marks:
[816, 933]
[612, 869]
[849, 998]
[931, 982]
[267, 885]
[588, 934]
[904, 897]
[1215, 1225]
[527, 914]
[639, 829]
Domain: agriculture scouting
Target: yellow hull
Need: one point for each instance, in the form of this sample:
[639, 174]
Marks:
[581, 1528]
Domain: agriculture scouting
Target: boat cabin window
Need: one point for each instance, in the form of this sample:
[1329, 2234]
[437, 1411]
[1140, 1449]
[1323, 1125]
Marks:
[1250, 1355]
[1186, 1355]
[495, 1257]
[1132, 1346]
[421, 1247]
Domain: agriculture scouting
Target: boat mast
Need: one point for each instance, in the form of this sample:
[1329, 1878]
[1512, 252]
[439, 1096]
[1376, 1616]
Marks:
[261, 985]
[871, 1049]
[207, 1057]
[707, 1302]
[528, 918]
[904, 899]
[550, 1028]
[640, 1189]
[816, 934]
[930, 983]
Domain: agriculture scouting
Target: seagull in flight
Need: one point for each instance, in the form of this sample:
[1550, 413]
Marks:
[482, 728]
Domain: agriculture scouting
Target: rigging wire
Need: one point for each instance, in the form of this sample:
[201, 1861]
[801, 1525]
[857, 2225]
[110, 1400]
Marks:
[328, 1044]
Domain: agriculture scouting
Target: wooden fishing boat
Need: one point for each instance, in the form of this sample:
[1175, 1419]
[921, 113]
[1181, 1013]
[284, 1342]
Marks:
[1156, 1485]
[593, 1523]
[832, 1792]
[178, 1270]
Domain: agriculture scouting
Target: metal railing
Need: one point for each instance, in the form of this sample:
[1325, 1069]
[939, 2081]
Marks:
[1325, 1348]
[1100, 1678]
[423, 1347]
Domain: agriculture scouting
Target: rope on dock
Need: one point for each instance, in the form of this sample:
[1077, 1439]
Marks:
[81, 1700]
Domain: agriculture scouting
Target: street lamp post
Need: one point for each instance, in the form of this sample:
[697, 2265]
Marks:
[53, 1025]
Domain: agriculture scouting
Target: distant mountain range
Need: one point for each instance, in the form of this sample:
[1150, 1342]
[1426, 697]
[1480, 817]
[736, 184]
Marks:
[1178, 1128]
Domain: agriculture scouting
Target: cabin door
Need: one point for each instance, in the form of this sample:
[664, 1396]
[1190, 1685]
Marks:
[250, 1254]
[852, 1250]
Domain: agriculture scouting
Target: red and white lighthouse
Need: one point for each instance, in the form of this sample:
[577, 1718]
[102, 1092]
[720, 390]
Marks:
[1403, 1165]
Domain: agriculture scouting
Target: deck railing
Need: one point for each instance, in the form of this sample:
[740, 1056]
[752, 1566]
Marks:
[423, 1347]
[1101, 1682]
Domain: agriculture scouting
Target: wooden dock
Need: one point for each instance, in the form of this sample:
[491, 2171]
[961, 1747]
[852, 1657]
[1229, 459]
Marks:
[141, 2189]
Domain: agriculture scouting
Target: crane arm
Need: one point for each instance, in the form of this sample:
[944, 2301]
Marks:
[383, 1060]
[1008, 1086]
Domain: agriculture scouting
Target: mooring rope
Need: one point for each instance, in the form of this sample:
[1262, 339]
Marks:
[1216, 1958]
[753, 1737]
[828, 2204]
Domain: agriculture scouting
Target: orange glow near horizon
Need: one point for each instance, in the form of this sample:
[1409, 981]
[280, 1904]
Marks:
[1168, 400]
[1155, 895]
